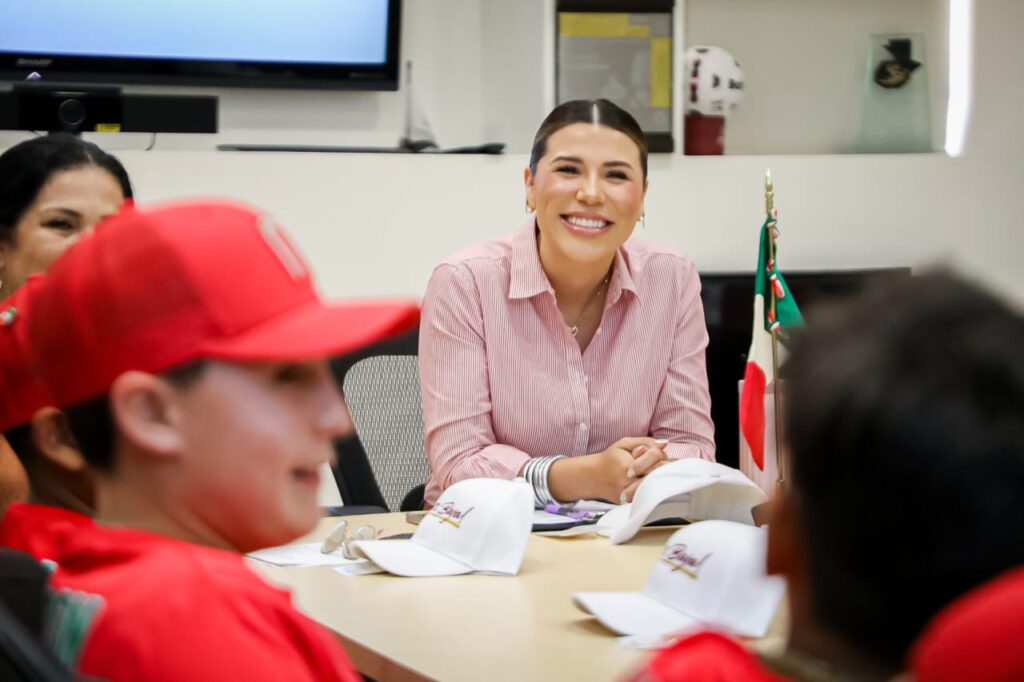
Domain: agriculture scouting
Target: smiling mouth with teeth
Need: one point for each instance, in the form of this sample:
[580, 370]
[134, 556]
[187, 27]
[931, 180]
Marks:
[586, 223]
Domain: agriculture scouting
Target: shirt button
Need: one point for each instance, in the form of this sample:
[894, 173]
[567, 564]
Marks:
[583, 426]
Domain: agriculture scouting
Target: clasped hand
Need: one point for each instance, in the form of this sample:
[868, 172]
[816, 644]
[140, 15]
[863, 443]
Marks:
[625, 463]
[612, 474]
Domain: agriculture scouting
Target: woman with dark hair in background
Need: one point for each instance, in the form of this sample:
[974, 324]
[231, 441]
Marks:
[53, 189]
[563, 353]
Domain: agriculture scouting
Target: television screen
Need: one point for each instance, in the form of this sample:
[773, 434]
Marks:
[350, 44]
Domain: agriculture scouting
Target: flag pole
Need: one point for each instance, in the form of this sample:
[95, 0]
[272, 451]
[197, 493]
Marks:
[769, 207]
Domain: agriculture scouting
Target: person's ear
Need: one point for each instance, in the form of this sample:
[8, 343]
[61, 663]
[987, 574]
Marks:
[147, 413]
[531, 204]
[53, 440]
[783, 556]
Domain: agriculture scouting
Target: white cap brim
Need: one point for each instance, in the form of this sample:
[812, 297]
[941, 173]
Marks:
[410, 559]
[634, 613]
[689, 488]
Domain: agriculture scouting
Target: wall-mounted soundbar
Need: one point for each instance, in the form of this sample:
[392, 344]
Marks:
[76, 109]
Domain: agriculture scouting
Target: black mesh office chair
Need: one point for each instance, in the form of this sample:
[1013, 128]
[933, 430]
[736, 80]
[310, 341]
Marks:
[383, 396]
[353, 474]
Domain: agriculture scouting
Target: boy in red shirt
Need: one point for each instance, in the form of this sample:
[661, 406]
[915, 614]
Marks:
[906, 482]
[187, 348]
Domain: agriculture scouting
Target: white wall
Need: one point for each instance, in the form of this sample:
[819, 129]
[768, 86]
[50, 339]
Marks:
[517, 50]
[804, 66]
[998, 80]
[377, 224]
[483, 71]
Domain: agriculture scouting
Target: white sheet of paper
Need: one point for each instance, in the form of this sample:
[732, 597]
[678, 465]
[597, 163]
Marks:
[543, 518]
[308, 554]
[644, 642]
[365, 568]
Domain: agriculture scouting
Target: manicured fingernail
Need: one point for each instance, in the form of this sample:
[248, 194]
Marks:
[630, 473]
[662, 441]
[639, 450]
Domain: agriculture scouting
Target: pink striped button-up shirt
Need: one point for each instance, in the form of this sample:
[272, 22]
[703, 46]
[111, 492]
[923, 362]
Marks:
[503, 379]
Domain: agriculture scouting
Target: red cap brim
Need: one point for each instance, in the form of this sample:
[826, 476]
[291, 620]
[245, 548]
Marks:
[316, 330]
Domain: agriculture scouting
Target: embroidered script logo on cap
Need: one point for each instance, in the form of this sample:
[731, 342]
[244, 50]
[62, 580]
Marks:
[282, 247]
[447, 513]
[680, 560]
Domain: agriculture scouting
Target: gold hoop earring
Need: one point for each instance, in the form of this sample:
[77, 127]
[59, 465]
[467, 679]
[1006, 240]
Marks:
[529, 209]
[643, 220]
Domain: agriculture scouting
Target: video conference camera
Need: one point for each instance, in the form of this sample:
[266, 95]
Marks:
[75, 108]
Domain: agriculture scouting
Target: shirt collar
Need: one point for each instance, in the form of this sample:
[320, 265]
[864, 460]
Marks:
[528, 278]
[622, 277]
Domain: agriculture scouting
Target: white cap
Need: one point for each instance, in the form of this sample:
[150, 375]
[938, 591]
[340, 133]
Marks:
[478, 525]
[692, 489]
[710, 574]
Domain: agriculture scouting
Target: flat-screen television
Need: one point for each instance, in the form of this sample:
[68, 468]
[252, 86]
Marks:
[327, 44]
[728, 300]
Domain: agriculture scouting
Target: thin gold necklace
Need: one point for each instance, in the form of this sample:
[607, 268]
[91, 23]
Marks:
[574, 327]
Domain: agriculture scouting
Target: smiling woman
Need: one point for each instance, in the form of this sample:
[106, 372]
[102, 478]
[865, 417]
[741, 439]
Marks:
[564, 353]
[53, 189]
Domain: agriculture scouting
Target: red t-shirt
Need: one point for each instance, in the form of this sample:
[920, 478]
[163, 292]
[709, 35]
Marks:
[35, 529]
[175, 611]
[976, 637]
[704, 657]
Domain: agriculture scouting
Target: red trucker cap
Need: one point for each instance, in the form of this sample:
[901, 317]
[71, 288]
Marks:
[21, 391]
[151, 290]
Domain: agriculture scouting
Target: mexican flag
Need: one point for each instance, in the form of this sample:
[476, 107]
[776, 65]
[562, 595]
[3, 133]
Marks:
[768, 285]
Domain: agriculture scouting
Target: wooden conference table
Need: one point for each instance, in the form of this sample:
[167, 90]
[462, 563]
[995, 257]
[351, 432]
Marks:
[479, 627]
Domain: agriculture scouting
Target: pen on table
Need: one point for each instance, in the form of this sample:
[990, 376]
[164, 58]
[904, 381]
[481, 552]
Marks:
[568, 511]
